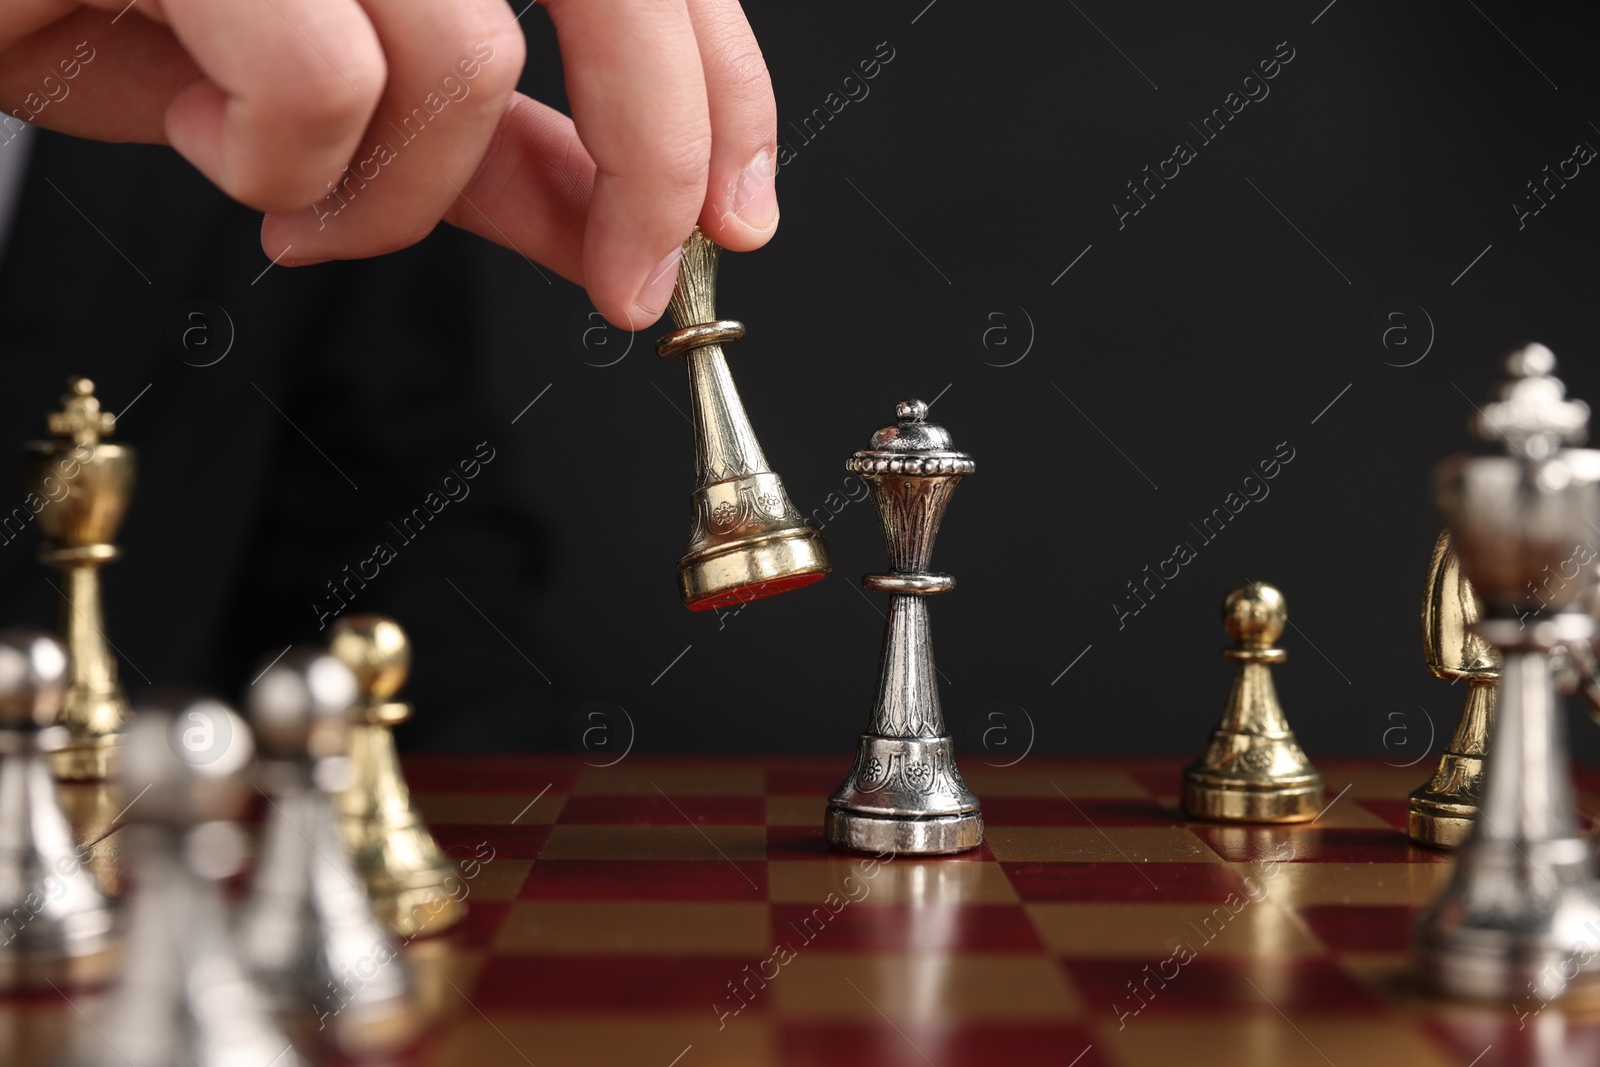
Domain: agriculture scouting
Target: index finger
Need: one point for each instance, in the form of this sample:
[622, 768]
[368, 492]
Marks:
[638, 98]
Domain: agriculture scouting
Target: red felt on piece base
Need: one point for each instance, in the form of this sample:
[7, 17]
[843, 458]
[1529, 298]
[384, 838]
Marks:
[757, 591]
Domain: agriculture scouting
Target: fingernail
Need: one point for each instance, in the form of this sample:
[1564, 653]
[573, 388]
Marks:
[755, 199]
[657, 288]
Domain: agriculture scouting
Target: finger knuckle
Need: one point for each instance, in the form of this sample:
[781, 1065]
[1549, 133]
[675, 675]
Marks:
[683, 165]
[327, 103]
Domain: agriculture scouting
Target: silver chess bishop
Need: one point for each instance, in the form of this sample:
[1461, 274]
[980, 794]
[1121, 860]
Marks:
[1521, 914]
[904, 794]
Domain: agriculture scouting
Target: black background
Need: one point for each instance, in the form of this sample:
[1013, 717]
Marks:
[1108, 405]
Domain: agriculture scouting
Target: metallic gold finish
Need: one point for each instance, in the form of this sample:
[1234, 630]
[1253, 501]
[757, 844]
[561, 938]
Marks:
[1254, 770]
[1442, 809]
[904, 794]
[414, 886]
[746, 540]
[84, 483]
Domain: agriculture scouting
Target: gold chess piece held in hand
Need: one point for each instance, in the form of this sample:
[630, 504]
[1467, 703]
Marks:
[746, 540]
[1254, 769]
[1441, 810]
[83, 484]
[414, 886]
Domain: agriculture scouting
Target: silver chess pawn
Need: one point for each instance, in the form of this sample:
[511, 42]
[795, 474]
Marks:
[1521, 913]
[55, 924]
[308, 930]
[185, 998]
[904, 794]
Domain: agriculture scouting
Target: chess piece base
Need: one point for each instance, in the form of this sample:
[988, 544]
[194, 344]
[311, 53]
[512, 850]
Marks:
[901, 836]
[1437, 829]
[751, 570]
[85, 759]
[1215, 797]
[905, 796]
[420, 910]
[1472, 949]
[1441, 813]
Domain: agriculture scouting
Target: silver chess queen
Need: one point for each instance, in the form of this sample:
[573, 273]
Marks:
[904, 794]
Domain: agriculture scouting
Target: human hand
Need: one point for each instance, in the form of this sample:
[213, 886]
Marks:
[673, 122]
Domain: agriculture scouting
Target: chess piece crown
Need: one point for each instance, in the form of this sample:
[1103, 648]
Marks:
[904, 793]
[746, 540]
[86, 483]
[415, 887]
[1253, 770]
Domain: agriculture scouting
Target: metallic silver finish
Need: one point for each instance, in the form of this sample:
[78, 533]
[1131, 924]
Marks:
[308, 930]
[55, 924]
[1521, 913]
[185, 998]
[904, 794]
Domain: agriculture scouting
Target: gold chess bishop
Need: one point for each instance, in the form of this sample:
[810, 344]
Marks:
[1253, 770]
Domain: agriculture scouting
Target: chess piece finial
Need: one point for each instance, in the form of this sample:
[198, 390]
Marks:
[185, 997]
[415, 887]
[904, 793]
[57, 924]
[1520, 913]
[746, 540]
[308, 930]
[80, 485]
[80, 419]
[1254, 769]
[1440, 811]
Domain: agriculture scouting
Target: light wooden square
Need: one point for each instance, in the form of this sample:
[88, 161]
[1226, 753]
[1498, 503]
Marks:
[1154, 931]
[609, 928]
[656, 843]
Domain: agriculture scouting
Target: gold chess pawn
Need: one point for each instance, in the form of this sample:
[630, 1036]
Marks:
[414, 886]
[83, 484]
[1253, 770]
[1442, 810]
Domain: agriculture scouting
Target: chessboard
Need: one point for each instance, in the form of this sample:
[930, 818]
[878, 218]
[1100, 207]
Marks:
[633, 915]
[686, 912]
